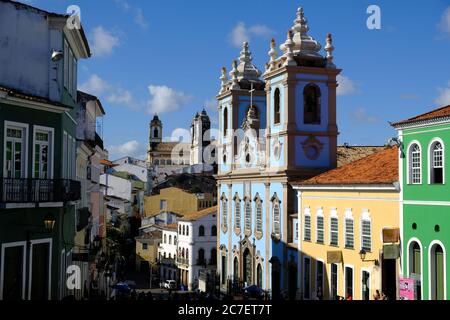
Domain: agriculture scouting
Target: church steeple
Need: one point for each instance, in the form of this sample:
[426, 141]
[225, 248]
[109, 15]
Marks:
[155, 134]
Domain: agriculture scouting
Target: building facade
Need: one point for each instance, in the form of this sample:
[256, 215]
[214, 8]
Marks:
[424, 190]
[348, 225]
[167, 253]
[273, 130]
[38, 96]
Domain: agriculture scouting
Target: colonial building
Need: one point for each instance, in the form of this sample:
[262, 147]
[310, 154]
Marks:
[348, 230]
[425, 202]
[167, 252]
[38, 95]
[275, 128]
[196, 245]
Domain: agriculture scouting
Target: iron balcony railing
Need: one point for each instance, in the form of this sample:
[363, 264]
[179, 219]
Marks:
[39, 190]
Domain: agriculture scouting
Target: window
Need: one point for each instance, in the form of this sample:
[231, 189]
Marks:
[174, 240]
[259, 275]
[224, 207]
[436, 163]
[311, 104]
[296, 230]
[248, 215]
[307, 225]
[42, 154]
[187, 230]
[319, 275]
[170, 239]
[15, 151]
[155, 133]
[276, 106]
[276, 218]
[320, 227]
[165, 239]
[307, 278]
[365, 289]
[237, 214]
[258, 209]
[225, 121]
[224, 269]
[144, 246]
[201, 231]
[214, 231]
[184, 230]
[366, 234]
[334, 231]
[415, 175]
[334, 281]
[179, 229]
[201, 256]
[349, 231]
[163, 204]
[349, 282]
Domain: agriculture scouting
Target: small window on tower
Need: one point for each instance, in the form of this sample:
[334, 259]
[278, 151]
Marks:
[155, 133]
[276, 107]
[311, 104]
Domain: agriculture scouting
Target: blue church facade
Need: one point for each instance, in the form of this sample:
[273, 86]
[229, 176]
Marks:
[276, 128]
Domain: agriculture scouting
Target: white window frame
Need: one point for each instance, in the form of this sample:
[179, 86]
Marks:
[307, 213]
[25, 128]
[334, 215]
[367, 270]
[353, 280]
[431, 268]
[258, 220]
[51, 144]
[431, 158]
[276, 203]
[30, 265]
[319, 214]
[224, 205]
[409, 163]
[409, 262]
[349, 216]
[237, 214]
[247, 215]
[365, 216]
[6, 245]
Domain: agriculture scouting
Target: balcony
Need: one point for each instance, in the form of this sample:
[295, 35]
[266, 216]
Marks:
[39, 190]
[183, 261]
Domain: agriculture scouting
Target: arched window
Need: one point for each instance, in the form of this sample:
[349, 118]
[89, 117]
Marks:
[201, 256]
[237, 214]
[258, 210]
[311, 104]
[224, 207]
[179, 229]
[248, 215]
[235, 268]
[247, 266]
[259, 275]
[225, 121]
[436, 163]
[183, 253]
[366, 233]
[170, 239]
[276, 107]
[155, 133]
[276, 218]
[187, 230]
[213, 256]
[214, 230]
[175, 240]
[201, 231]
[165, 238]
[187, 255]
[184, 230]
[415, 174]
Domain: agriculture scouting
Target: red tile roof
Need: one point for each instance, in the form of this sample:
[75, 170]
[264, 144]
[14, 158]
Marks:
[378, 168]
[437, 113]
[199, 214]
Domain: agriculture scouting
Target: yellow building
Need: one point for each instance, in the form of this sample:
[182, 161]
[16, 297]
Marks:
[349, 230]
[147, 250]
[177, 200]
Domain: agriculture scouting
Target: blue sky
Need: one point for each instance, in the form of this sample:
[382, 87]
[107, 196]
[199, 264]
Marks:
[166, 56]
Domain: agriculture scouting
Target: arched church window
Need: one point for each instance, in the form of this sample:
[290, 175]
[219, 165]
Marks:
[258, 210]
[248, 216]
[276, 106]
[155, 133]
[225, 121]
[311, 104]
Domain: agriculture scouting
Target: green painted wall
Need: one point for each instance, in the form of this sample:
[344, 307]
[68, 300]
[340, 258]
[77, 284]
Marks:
[426, 217]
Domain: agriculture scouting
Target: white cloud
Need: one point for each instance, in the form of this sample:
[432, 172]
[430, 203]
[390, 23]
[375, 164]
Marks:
[103, 41]
[241, 33]
[445, 21]
[130, 148]
[123, 4]
[361, 116]
[140, 20]
[444, 96]
[164, 99]
[346, 86]
[123, 97]
[95, 85]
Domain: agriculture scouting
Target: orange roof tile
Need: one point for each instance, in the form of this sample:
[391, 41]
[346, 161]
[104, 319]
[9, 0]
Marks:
[199, 214]
[378, 168]
[437, 113]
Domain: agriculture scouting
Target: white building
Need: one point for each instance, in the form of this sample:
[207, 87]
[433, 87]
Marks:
[167, 252]
[197, 245]
[116, 186]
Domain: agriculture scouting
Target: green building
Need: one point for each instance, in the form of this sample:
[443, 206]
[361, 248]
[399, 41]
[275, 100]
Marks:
[425, 210]
[38, 189]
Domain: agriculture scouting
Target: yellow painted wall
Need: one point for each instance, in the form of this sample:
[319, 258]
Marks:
[178, 201]
[149, 255]
[384, 212]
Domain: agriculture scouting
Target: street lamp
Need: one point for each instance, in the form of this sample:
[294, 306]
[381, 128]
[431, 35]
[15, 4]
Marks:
[362, 255]
[97, 242]
[49, 222]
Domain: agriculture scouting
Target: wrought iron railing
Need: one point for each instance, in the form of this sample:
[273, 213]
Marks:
[39, 190]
